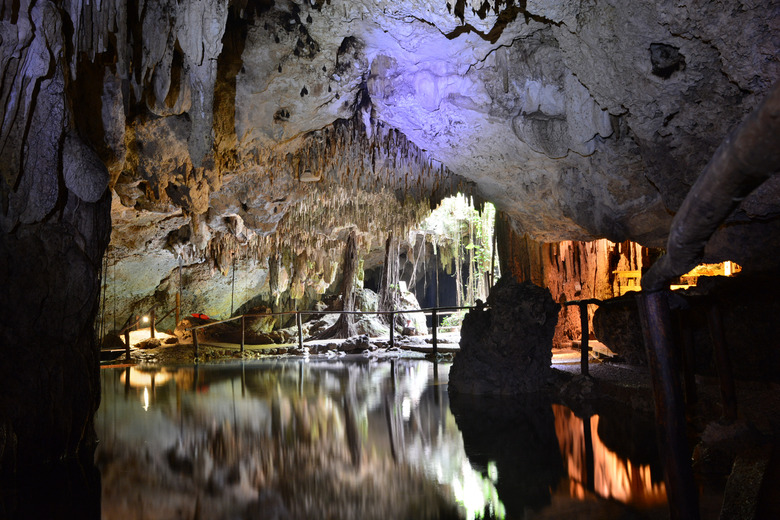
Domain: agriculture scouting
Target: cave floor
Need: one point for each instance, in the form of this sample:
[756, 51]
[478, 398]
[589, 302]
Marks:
[214, 351]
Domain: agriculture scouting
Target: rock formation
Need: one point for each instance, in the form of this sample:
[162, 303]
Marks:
[55, 228]
[506, 349]
[258, 131]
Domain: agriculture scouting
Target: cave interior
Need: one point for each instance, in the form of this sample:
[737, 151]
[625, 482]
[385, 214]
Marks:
[226, 156]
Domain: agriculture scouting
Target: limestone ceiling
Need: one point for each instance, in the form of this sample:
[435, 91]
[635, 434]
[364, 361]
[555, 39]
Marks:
[579, 119]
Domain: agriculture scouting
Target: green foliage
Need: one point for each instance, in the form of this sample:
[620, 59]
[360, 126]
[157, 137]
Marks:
[464, 238]
[453, 320]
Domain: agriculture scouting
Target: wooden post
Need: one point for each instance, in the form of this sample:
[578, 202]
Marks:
[300, 329]
[127, 344]
[152, 320]
[727, 393]
[434, 341]
[585, 337]
[392, 329]
[590, 466]
[243, 329]
[685, 334]
[669, 406]
[195, 341]
[300, 378]
[178, 309]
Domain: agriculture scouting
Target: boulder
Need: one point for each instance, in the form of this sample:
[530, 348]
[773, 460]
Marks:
[506, 347]
[356, 344]
[616, 324]
[149, 343]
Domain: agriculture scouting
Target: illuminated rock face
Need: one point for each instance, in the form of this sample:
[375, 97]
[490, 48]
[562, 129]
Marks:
[578, 122]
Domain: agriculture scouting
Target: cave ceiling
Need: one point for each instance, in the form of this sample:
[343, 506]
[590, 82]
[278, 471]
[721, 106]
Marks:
[260, 120]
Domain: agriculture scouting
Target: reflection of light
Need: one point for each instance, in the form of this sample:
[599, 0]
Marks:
[146, 398]
[613, 477]
[406, 408]
[475, 493]
[492, 471]
[140, 378]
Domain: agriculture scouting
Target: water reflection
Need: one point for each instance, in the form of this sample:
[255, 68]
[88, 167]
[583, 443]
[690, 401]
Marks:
[593, 467]
[351, 438]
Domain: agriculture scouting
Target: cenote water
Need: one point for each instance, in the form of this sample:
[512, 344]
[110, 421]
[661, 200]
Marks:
[353, 438]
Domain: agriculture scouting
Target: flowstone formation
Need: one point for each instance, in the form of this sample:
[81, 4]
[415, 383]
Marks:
[54, 229]
[506, 348]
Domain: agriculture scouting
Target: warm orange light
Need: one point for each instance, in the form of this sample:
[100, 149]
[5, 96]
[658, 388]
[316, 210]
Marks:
[613, 477]
[139, 378]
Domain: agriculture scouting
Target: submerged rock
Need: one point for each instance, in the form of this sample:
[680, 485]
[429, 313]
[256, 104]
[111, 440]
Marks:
[506, 348]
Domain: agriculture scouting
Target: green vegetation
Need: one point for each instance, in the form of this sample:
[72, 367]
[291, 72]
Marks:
[462, 235]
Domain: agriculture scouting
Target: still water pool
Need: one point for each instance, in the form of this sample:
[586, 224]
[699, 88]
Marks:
[357, 438]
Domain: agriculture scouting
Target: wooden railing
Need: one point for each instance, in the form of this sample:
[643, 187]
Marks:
[152, 315]
[435, 313]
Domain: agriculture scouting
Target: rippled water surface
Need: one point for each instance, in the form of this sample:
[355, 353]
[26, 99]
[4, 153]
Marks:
[353, 438]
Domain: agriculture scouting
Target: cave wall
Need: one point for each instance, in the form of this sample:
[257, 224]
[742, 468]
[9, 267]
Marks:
[55, 222]
[572, 271]
[578, 120]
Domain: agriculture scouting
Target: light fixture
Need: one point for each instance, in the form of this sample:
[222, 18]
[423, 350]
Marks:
[145, 319]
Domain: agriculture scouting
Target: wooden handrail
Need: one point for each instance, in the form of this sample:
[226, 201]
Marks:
[310, 312]
[433, 311]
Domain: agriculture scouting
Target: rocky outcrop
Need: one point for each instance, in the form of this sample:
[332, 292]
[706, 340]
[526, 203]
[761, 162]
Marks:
[506, 349]
[55, 224]
[743, 301]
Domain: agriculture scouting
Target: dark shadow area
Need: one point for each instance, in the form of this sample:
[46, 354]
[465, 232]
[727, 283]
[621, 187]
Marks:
[68, 490]
[518, 435]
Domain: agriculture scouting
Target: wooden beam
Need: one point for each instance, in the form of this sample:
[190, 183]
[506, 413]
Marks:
[745, 159]
[669, 405]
